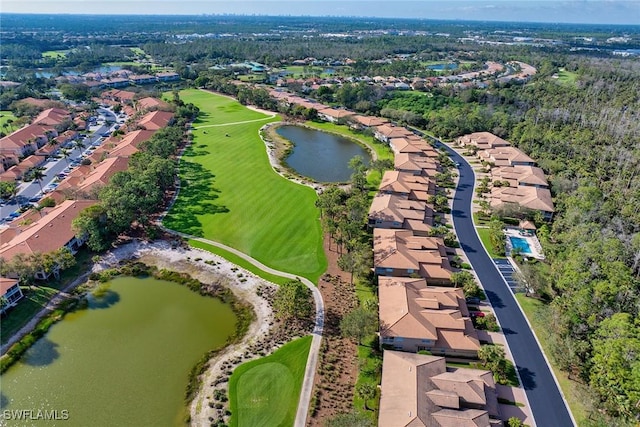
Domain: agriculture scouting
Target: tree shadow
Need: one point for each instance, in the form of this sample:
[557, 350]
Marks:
[42, 353]
[528, 378]
[495, 300]
[197, 196]
[202, 118]
[109, 299]
[197, 150]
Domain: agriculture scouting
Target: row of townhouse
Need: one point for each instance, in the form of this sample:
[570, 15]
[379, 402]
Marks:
[418, 307]
[518, 184]
[29, 146]
[120, 78]
[51, 228]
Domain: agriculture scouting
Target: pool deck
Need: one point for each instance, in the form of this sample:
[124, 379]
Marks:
[532, 241]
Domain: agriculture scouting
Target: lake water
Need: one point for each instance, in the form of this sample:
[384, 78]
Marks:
[321, 156]
[441, 67]
[124, 361]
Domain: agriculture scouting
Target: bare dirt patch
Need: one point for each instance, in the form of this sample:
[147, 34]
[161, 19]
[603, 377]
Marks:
[338, 360]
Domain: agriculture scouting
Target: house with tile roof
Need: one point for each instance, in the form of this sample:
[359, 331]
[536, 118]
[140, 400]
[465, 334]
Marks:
[49, 233]
[333, 115]
[385, 132]
[83, 183]
[363, 122]
[522, 199]
[52, 117]
[393, 211]
[415, 164]
[506, 156]
[407, 185]
[155, 120]
[482, 141]
[415, 317]
[149, 103]
[421, 391]
[26, 140]
[10, 293]
[401, 253]
[520, 176]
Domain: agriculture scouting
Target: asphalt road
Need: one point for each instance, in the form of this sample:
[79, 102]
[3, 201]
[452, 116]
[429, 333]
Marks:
[28, 190]
[546, 402]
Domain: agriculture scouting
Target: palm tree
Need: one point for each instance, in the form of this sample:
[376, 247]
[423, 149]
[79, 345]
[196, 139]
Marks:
[78, 143]
[38, 174]
[65, 153]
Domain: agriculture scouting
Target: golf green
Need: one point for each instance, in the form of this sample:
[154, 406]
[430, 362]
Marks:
[265, 392]
[229, 192]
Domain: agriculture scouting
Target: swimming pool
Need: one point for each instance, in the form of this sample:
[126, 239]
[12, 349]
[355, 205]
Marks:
[520, 244]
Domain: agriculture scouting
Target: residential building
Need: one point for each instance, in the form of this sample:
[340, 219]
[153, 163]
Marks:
[49, 233]
[168, 76]
[407, 185]
[506, 156]
[10, 293]
[368, 121]
[385, 132]
[482, 141]
[333, 115]
[400, 253]
[415, 317]
[520, 176]
[415, 164]
[393, 211]
[82, 184]
[149, 103]
[26, 140]
[155, 120]
[420, 391]
[52, 117]
[523, 198]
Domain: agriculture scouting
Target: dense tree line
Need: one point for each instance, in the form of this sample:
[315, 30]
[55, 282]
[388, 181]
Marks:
[136, 194]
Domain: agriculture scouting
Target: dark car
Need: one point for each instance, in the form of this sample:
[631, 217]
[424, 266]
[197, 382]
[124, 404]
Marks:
[473, 300]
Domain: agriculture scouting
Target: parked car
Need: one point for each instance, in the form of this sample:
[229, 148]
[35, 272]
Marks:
[473, 300]
[476, 314]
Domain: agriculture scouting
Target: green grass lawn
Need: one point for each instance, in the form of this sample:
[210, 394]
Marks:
[6, 115]
[37, 297]
[56, 54]
[484, 236]
[137, 51]
[230, 194]
[531, 306]
[265, 392]
[567, 78]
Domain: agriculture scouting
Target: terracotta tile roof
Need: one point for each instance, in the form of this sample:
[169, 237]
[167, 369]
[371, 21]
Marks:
[6, 284]
[370, 121]
[98, 176]
[155, 120]
[403, 183]
[149, 103]
[129, 144]
[47, 234]
[505, 156]
[411, 397]
[393, 208]
[22, 136]
[389, 131]
[411, 309]
[52, 117]
[538, 199]
[334, 113]
[415, 163]
[520, 175]
[122, 95]
[483, 140]
[401, 249]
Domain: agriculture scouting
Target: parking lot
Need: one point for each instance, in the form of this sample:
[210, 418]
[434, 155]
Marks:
[507, 271]
[57, 168]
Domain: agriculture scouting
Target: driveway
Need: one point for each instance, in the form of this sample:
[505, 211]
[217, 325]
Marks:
[546, 402]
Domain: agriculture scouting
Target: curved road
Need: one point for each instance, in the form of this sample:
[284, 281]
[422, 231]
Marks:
[546, 401]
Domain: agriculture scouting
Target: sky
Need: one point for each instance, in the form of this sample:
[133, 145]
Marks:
[559, 11]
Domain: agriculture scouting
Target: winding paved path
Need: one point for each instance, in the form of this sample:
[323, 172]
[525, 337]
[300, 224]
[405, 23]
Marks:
[548, 407]
[314, 350]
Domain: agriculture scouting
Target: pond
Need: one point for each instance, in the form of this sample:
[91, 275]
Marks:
[123, 361]
[321, 156]
[442, 67]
